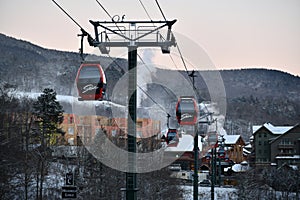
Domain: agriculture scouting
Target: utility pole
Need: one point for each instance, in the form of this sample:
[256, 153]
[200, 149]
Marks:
[130, 34]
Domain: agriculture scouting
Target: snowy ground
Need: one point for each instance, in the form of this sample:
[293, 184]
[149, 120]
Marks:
[204, 193]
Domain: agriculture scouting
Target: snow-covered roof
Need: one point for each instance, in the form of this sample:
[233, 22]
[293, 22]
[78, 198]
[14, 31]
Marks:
[186, 143]
[239, 167]
[222, 131]
[272, 128]
[248, 146]
[244, 162]
[246, 151]
[288, 157]
[294, 167]
[231, 139]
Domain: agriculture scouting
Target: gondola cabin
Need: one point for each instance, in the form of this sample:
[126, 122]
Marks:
[172, 137]
[91, 82]
[186, 111]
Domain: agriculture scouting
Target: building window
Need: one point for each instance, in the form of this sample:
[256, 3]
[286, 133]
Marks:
[71, 131]
[71, 141]
[70, 120]
[265, 135]
[259, 142]
[81, 120]
[114, 133]
[97, 121]
[265, 143]
[259, 135]
[139, 124]
[285, 141]
[139, 134]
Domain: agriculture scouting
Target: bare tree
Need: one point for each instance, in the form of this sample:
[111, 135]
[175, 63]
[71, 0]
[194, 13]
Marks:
[269, 183]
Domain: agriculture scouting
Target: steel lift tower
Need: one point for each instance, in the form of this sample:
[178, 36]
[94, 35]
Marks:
[132, 34]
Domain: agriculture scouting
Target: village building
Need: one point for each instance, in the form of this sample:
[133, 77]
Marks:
[235, 148]
[285, 149]
[276, 145]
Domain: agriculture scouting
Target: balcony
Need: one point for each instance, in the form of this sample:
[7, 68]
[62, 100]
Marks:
[285, 154]
[286, 146]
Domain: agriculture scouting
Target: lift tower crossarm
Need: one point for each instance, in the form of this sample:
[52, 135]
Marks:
[144, 28]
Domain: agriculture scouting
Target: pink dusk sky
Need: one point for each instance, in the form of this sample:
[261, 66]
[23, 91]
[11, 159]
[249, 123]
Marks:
[234, 33]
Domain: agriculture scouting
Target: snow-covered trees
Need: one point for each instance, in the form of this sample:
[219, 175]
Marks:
[270, 183]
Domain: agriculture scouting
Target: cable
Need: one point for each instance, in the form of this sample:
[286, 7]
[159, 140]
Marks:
[145, 9]
[181, 56]
[141, 57]
[141, 88]
[162, 108]
[173, 61]
[138, 56]
[150, 72]
[182, 59]
[177, 45]
[67, 14]
[105, 10]
[112, 18]
[160, 10]
[180, 53]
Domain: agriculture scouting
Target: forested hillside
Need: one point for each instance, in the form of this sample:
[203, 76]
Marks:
[254, 96]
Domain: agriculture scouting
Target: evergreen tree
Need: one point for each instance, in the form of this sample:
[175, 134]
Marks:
[49, 114]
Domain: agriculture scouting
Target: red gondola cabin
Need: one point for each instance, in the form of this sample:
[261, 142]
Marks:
[172, 138]
[187, 111]
[91, 82]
